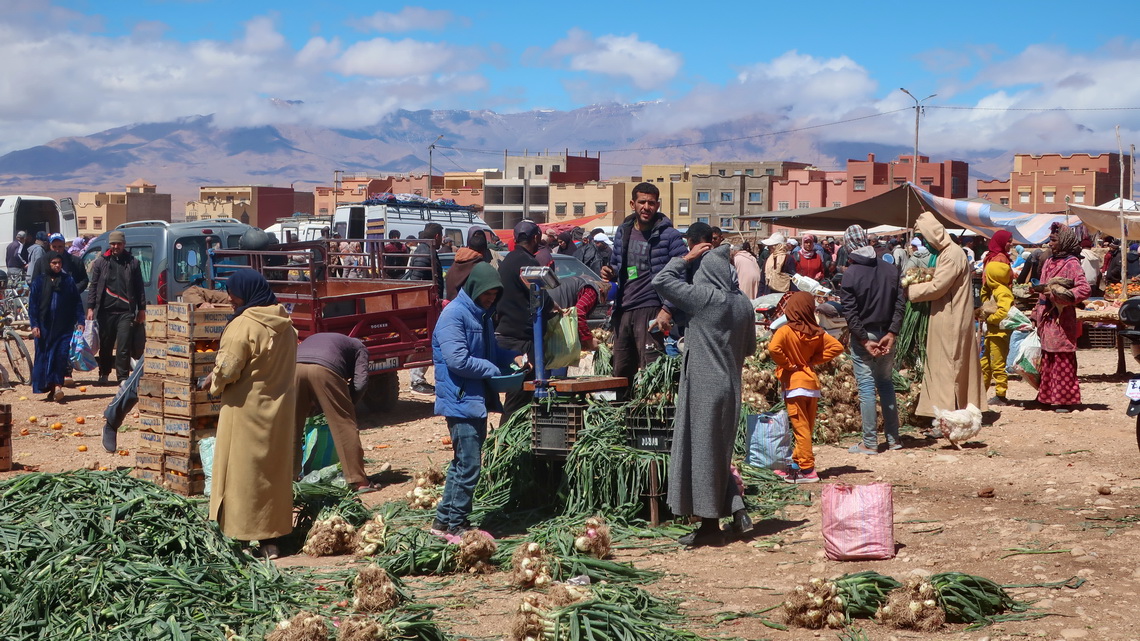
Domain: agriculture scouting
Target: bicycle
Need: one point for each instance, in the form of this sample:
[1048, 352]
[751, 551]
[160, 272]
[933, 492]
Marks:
[16, 351]
[15, 303]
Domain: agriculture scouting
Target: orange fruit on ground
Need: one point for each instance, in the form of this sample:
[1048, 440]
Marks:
[445, 440]
[77, 433]
[124, 453]
[83, 389]
[82, 448]
[80, 420]
[57, 426]
[31, 419]
[381, 447]
[24, 431]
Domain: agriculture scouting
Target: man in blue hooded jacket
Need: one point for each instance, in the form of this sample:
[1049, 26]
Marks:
[466, 355]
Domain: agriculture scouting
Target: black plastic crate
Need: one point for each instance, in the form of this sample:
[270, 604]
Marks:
[650, 428]
[555, 426]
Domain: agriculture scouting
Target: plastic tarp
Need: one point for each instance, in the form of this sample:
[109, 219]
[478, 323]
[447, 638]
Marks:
[1106, 218]
[901, 206]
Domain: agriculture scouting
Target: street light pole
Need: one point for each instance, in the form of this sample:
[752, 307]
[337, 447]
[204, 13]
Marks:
[431, 148]
[917, 111]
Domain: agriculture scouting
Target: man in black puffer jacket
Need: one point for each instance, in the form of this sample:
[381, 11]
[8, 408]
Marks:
[643, 245]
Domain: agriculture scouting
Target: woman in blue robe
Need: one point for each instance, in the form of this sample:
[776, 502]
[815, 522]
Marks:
[55, 309]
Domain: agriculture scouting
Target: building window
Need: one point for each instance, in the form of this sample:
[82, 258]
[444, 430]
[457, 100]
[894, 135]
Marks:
[1004, 200]
[737, 172]
[721, 172]
[725, 223]
[98, 223]
[660, 179]
[783, 205]
[749, 172]
[926, 181]
[770, 172]
[703, 219]
[98, 203]
[803, 204]
[1079, 196]
[229, 199]
[600, 208]
[538, 170]
[754, 224]
[555, 168]
[1023, 196]
[675, 178]
[727, 197]
[1064, 169]
[860, 184]
[682, 205]
[703, 197]
[755, 198]
[579, 209]
[560, 209]
[1050, 196]
[836, 203]
[83, 222]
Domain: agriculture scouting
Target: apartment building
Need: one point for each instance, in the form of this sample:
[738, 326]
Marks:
[809, 187]
[869, 178]
[522, 189]
[1047, 183]
[100, 211]
[257, 205]
[676, 185]
[570, 201]
[733, 189]
[354, 188]
[466, 188]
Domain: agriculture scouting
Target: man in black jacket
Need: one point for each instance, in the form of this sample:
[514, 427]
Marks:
[873, 304]
[117, 299]
[514, 329]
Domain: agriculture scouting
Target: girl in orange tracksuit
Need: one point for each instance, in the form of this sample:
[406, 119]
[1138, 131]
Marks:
[796, 348]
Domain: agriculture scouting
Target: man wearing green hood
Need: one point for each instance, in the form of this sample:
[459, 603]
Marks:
[466, 355]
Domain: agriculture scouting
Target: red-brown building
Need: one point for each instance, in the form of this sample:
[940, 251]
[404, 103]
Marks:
[869, 178]
[809, 187]
[1048, 182]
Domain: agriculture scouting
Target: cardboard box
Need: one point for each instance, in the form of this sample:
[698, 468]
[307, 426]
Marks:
[200, 405]
[149, 460]
[187, 370]
[151, 423]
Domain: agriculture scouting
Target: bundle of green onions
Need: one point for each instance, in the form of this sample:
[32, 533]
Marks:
[864, 592]
[910, 347]
[967, 598]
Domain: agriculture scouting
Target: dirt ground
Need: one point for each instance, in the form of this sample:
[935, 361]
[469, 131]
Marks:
[1067, 485]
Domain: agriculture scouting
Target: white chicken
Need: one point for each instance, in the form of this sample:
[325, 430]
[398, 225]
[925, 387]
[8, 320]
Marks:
[957, 426]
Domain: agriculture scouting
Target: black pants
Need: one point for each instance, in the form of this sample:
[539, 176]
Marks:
[520, 399]
[115, 344]
[634, 345]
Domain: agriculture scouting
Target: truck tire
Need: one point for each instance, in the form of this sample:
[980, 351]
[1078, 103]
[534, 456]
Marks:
[383, 391]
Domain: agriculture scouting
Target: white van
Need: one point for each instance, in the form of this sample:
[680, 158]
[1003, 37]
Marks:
[299, 229]
[374, 219]
[34, 214]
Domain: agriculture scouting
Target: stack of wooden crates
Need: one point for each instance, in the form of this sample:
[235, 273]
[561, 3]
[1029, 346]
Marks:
[174, 416]
[5, 438]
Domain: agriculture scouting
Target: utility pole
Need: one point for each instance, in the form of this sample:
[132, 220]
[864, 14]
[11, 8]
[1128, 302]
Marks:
[431, 148]
[917, 112]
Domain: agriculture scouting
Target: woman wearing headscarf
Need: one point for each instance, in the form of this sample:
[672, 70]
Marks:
[720, 335]
[77, 247]
[747, 271]
[952, 378]
[809, 262]
[477, 241]
[1064, 286]
[252, 492]
[778, 267]
[997, 298]
[54, 310]
[1019, 256]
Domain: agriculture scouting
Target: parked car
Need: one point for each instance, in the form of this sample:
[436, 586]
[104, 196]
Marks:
[172, 256]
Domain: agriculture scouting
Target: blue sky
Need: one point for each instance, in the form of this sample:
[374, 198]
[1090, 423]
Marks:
[92, 65]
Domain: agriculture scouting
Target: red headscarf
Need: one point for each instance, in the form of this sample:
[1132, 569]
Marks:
[996, 252]
[800, 311]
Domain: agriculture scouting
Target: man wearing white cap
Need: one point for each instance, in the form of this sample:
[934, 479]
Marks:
[778, 267]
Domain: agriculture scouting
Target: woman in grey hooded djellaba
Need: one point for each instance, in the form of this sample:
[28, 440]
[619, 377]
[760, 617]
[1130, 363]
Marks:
[720, 335]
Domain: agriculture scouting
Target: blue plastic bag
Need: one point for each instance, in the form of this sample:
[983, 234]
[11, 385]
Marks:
[769, 440]
[79, 353]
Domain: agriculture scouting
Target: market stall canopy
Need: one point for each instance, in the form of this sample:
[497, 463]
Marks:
[900, 207]
[508, 235]
[1106, 218]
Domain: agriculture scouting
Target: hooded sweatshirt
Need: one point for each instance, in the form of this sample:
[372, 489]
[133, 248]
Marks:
[997, 283]
[873, 300]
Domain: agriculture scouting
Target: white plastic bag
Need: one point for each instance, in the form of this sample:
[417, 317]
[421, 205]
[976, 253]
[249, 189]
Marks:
[91, 335]
[1029, 360]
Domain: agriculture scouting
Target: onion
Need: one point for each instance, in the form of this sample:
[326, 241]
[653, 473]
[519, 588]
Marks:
[582, 543]
[533, 548]
[541, 580]
[592, 533]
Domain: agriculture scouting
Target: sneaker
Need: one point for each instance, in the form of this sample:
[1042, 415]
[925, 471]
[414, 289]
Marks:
[859, 448]
[423, 388]
[438, 529]
[998, 401]
[103, 379]
[807, 476]
[783, 476]
[57, 395]
[894, 445]
[110, 439]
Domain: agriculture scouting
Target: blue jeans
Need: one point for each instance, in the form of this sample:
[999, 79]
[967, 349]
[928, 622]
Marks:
[467, 436]
[873, 373]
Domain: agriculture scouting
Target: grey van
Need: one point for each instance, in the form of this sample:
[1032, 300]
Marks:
[172, 256]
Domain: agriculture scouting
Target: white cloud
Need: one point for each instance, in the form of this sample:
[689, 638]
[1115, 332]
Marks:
[643, 64]
[408, 19]
[384, 58]
[261, 36]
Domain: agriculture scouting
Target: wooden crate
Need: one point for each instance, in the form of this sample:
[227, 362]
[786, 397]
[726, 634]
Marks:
[183, 426]
[6, 453]
[148, 460]
[154, 349]
[155, 322]
[199, 406]
[150, 405]
[187, 321]
[204, 351]
[185, 445]
[154, 367]
[154, 476]
[152, 423]
[186, 484]
[151, 387]
[184, 390]
[183, 464]
[152, 441]
[187, 370]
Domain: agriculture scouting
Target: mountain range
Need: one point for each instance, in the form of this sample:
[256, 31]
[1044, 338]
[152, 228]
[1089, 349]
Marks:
[182, 154]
